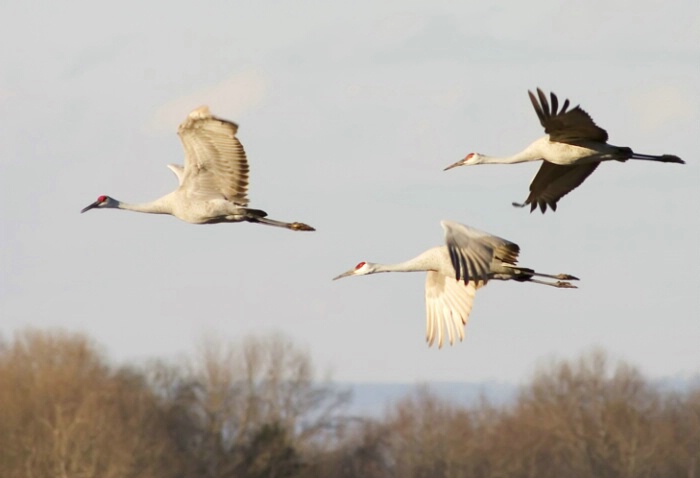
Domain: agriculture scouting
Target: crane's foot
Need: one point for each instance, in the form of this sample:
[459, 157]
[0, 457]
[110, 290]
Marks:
[566, 277]
[565, 285]
[671, 158]
[300, 226]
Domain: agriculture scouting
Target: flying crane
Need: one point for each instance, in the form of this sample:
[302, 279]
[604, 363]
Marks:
[468, 260]
[571, 151]
[213, 183]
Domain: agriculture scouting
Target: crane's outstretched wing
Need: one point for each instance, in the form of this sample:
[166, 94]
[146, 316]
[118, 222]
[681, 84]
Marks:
[215, 161]
[553, 181]
[448, 303]
[565, 126]
[472, 251]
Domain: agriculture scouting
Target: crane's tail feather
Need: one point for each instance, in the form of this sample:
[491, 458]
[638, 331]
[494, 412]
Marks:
[294, 226]
[664, 158]
[255, 212]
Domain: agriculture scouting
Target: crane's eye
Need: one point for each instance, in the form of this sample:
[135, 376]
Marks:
[102, 199]
[358, 266]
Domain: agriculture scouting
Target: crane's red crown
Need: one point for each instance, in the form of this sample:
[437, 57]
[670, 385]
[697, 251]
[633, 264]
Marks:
[102, 199]
[469, 156]
[359, 265]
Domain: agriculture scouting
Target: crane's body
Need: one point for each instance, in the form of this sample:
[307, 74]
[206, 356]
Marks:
[562, 154]
[437, 259]
[468, 260]
[572, 149]
[214, 181]
[181, 205]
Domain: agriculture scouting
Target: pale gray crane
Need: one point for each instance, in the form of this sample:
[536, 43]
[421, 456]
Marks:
[467, 261]
[214, 182]
[571, 151]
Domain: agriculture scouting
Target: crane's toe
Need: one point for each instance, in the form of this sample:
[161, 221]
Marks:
[565, 285]
[300, 226]
[566, 277]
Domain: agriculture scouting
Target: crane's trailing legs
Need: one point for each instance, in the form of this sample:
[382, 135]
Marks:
[664, 158]
[526, 275]
[294, 226]
[519, 274]
[258, 216]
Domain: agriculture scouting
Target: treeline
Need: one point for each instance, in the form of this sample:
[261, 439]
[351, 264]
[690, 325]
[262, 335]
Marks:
[256, 409]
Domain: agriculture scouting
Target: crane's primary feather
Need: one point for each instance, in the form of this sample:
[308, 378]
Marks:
[554, 181]
[565, 126]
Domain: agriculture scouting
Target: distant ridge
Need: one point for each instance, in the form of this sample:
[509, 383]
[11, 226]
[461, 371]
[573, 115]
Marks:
[374, 399]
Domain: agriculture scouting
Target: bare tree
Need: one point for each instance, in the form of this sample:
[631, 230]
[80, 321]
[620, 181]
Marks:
[680, 432]
[259, 397]
[64, 413]
[584, 419]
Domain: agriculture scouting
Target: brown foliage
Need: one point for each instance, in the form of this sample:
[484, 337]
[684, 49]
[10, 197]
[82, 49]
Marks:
[579, 419]
[247, 409]
[254, 410]
[582, 420]
[64, 413]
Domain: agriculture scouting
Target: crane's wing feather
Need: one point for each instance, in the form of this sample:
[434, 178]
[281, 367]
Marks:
[564, 126]
[178, 170]
[215, 161]
[472, 251]
[553, 181]
[448, 303]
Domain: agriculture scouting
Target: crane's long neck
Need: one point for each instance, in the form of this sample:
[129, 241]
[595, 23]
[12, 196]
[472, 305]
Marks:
[521, 157]
[532, 153]
[423, 262]
[159, 206]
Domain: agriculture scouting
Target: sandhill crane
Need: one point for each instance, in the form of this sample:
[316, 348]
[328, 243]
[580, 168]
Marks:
[467, 261]
[571, 151]
[214, 182]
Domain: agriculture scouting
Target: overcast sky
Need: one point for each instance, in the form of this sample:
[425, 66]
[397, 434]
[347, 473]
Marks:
[349, 112]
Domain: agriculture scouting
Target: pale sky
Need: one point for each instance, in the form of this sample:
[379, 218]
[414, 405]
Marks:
[349, 112]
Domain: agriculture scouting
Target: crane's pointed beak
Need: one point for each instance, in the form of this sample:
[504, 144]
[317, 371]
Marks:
[345, 274]
[458, 163]
[87, 208]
